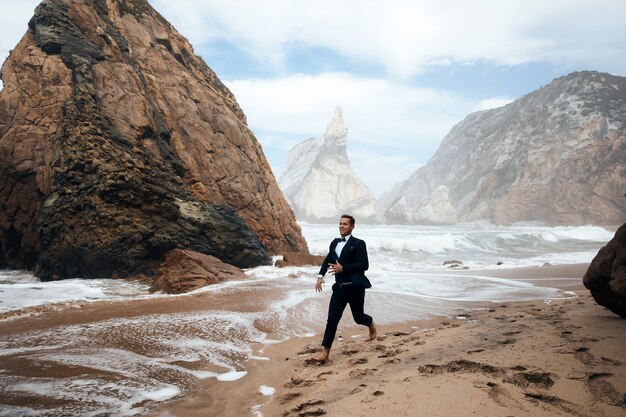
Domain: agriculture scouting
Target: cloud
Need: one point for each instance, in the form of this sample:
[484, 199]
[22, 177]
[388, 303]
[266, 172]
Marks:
[14, 22]
[376, 111]
[392, 127]
[493, 102]
[407, 37]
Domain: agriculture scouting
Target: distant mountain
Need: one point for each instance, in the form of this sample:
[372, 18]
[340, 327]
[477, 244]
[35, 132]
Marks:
[556, 156]
[318, 180]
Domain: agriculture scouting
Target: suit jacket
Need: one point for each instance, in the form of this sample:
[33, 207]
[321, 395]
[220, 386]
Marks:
[353, 259]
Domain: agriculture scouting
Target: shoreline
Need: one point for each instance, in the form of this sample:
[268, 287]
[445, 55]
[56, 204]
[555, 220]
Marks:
[528, 358]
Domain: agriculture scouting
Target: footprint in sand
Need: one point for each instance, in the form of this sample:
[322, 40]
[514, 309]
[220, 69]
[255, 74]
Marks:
[508, 341]
[528, 379]
[359, 361]
[603, 390]
[313, 362]
[380, 348]
[309, 408]
[553, 401]
[308, 349]
[285, 398]
[360, 373]
[350, 351]
[298, 382]
[500, 395]
[308, 404]
[610, 361]
[583, 355]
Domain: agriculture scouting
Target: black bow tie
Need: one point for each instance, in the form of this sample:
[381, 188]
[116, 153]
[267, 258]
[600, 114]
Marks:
[343, 239]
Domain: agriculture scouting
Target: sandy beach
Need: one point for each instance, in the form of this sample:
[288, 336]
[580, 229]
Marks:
[554, 357]
[539, 358]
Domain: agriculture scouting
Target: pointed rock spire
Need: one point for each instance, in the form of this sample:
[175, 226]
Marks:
[336, 131]
[318, 180]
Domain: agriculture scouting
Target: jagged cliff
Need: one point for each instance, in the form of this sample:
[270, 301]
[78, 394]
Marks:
[319, 182]
[118, 144]
[557, 156]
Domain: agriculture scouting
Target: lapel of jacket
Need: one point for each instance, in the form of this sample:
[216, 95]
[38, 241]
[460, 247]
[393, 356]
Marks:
[333, 246]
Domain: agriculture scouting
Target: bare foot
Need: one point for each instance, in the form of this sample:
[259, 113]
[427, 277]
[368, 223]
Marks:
[372, 332]
[322, 357]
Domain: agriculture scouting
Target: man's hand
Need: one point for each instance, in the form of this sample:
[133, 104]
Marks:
[335, 268]
[318, 284]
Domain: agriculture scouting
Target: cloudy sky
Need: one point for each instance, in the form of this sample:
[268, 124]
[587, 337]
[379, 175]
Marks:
[403, 71]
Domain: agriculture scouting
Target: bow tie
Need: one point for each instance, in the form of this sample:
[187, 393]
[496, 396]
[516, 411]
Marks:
[341, 239]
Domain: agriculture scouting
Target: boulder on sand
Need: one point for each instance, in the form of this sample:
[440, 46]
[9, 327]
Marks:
[299, 259]
[606, 276]
[186, 270]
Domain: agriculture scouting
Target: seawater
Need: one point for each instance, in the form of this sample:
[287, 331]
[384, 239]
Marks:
[133, 362]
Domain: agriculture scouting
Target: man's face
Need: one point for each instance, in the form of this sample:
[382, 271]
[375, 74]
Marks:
[345, 228]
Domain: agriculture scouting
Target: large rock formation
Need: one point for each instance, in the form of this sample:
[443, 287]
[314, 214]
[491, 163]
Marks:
[118, 144]
[606, 276]
[319, 182]
[556, 156]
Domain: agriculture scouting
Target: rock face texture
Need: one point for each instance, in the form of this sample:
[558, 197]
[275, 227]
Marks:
[606, 276]
[185, 270]
[118, 144]
[556, 156]
[319, 182]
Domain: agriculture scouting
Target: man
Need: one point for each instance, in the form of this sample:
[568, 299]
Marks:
[347, 260]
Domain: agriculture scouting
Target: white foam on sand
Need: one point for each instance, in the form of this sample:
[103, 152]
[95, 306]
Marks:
[231, 376]
[465, 288]
[21, 289]
[96, 396]
[174, 347]
[267, 391]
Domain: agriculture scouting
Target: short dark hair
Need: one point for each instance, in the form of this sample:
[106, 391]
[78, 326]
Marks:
[347, 216]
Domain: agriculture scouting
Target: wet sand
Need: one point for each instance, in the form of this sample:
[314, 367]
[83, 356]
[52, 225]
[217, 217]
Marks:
[556, 358]
[563, 357]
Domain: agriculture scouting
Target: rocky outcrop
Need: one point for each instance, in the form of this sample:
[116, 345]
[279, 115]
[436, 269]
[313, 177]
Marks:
[606, 276]
[319, 182]
[118, 144]
[185, 270]
[299, 259]
[554, 156]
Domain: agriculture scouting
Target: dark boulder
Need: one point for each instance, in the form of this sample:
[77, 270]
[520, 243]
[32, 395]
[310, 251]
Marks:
[606, 276]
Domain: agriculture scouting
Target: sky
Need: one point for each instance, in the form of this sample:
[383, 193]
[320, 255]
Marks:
[404, 72]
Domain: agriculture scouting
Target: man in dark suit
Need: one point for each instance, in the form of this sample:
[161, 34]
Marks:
[347, 260]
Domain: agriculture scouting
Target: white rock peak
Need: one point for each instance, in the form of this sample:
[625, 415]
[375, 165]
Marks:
[318, 180]
[336, 131]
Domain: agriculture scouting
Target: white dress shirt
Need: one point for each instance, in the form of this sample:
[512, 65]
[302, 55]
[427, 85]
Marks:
[340, 246]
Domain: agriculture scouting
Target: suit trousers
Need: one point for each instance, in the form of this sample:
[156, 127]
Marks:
[341, 297]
